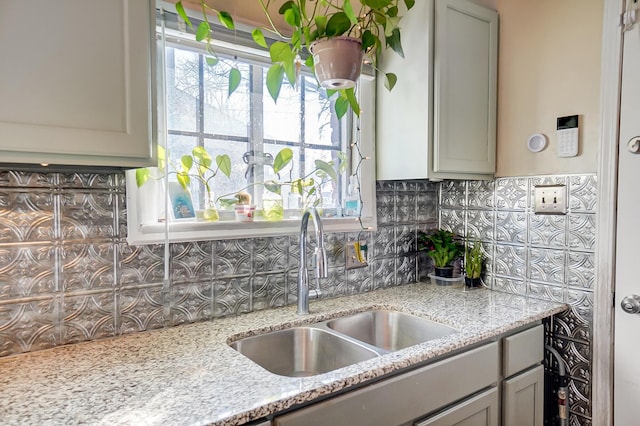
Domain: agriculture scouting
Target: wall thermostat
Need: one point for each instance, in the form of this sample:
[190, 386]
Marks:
[568, 135]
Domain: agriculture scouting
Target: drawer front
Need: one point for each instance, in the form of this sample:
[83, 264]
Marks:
[406, 397]
[522, 350]
[481, 410]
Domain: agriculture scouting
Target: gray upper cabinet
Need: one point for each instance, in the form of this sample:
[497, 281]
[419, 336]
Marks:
[77, 82]
[439, 122]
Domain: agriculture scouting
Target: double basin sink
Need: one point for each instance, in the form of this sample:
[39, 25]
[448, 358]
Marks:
[335, 343]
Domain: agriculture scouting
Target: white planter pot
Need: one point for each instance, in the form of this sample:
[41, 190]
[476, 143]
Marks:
[337, 61]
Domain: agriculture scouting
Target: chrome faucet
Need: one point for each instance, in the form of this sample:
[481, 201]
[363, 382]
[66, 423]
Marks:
[319, 261]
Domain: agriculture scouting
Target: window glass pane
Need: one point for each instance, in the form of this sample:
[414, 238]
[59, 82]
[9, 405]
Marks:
[182, 89]
[251, 129]
[320, 126]
[224, 114]
[329, 188]
[289, 174]
[282, 120]
[179, 146]
[227, 186]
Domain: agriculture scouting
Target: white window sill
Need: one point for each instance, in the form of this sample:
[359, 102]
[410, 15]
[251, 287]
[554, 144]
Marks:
[202, 231]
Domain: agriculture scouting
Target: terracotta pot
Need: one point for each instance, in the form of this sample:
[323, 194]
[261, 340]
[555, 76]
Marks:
[444, 272]
[337, 61]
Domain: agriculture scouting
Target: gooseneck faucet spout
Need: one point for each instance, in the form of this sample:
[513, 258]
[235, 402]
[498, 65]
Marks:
[319, 261]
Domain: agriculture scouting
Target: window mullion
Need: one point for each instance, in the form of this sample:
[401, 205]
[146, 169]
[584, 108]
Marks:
[256, 131]
[200, 122]
[302, 126]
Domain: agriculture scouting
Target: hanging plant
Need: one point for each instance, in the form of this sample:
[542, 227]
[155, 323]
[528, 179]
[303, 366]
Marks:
[374, 24]
[204, 33]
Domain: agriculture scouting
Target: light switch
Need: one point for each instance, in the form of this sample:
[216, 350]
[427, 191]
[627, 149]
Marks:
[550, 199]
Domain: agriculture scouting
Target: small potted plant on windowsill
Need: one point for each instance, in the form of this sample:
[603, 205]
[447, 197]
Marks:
[244, 210]
[473, 262]
[443, 247]
[308, 188]
[198, 165]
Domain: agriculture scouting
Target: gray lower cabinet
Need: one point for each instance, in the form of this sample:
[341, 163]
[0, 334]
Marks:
[484, 386]
[406, 397]
[523, 397]
[523, 383]
[480, 410]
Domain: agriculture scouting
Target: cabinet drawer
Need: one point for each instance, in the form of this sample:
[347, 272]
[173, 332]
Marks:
[522, 350]
[406, 397]
[481, 410]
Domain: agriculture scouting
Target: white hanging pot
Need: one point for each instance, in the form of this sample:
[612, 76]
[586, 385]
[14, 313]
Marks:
[337, 61]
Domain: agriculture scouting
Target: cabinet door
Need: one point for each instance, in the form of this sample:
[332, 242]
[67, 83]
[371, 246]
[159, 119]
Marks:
[76, 84]
[522, 398]
[481, 410]
[404, 116]
[465, 88]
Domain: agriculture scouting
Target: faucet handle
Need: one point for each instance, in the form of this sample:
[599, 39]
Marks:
[320, 263]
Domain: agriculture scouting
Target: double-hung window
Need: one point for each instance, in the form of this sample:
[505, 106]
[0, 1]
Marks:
[251, 130]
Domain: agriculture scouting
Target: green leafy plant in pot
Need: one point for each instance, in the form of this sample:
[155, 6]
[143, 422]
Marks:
[357, 27]
[473, 263]
[308, 187]
[443, 247]
[337, 34]
[197, 165]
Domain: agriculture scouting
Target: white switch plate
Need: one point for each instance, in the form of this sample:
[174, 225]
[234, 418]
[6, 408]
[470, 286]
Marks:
[550, 199]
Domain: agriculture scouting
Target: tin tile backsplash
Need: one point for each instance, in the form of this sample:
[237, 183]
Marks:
[67, 274]
[545, 257]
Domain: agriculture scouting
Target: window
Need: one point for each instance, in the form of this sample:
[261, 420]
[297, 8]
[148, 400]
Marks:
[250, 129]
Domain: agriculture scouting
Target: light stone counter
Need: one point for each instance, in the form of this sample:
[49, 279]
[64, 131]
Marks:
[188, 375]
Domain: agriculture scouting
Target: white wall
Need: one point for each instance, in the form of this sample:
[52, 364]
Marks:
[549, 66]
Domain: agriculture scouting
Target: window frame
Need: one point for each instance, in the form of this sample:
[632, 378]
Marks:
[144, 203]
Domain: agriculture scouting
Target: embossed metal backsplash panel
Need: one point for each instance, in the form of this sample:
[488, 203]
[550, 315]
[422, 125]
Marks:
[67, 274]
[546, 257]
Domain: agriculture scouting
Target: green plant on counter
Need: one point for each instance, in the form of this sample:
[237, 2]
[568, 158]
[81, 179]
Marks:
[442, 246]
[473, 259]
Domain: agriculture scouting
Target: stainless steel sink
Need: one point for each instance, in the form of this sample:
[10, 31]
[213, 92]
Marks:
[328, 345]
[302, 351]
[389, 330]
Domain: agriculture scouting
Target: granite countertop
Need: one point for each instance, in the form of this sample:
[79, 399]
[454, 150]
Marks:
[188, 375]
